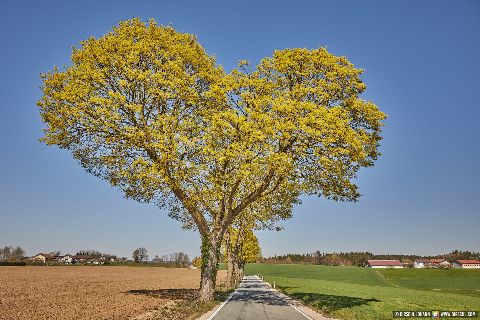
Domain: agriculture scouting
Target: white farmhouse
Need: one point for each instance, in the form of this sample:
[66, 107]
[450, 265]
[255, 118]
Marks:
[466, 264]
[437, 263]
[422, 263]
[68, 259]
[41, 257]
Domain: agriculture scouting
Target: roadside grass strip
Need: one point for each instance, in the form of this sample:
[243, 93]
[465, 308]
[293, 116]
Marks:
[364, 294]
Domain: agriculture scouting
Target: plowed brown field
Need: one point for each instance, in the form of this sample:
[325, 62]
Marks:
[88, 292]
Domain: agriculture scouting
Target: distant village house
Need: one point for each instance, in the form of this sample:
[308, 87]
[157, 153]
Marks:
[42, 257]
[68, 259]
[430, 263]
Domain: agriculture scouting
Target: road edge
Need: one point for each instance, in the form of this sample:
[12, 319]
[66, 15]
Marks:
[306, 311]
[212, 313]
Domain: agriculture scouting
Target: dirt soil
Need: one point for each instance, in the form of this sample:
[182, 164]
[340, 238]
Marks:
[91, 292]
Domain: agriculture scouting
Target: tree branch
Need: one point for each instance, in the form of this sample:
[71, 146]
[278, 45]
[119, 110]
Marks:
[181, 195]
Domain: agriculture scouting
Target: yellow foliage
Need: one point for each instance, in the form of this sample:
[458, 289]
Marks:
[145, 108]
[244, 246]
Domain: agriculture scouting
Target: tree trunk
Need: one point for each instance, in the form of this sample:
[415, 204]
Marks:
[228, 248]
[230, 275]
[241, 271]
[210, 254]
[237, 271]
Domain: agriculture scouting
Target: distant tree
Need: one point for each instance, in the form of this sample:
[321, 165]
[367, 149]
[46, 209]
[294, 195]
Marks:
[55, 253]
[182, 260]
[17, 254]
[5, 253]
[241, 247]
[177, 259]
[11, 254]
[140, 255]
[197, 262]
[239, 240]
[136, 255]
[249, 252]
[317, 256]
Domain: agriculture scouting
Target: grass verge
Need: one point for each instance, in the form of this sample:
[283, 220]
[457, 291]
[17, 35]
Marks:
[365, 294]
[183, 305]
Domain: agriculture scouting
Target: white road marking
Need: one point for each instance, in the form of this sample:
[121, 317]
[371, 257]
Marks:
[303, 313]
[223, 304]
[277, 293]
[291, 305]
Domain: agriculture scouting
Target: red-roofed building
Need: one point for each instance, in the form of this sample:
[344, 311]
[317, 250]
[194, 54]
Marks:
[466, 264]
[430, 263]
[438, 261]
[384, 264]
[422, 263]
[42, 257]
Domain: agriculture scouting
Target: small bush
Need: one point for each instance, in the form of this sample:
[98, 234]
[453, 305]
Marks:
[6, 263]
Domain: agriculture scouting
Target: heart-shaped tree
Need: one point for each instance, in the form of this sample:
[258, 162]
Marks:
[145, 108]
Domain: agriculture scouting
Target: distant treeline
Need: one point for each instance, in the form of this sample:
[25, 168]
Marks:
[360, 258]
[175, 260]
[10, 254]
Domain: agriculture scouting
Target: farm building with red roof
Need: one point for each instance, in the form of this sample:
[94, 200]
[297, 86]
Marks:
[466, 264]
[430, 263]
[384, 264]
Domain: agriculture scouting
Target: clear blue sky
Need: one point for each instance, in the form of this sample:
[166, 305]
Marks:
[422, 67]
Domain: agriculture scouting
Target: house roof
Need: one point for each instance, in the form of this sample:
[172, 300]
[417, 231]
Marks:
[469, 261]
[429, 260]
[46, 255]
[423, 260]
[384, 263]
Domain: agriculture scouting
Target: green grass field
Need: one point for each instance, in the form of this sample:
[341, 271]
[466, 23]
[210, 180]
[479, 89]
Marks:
[364, 293]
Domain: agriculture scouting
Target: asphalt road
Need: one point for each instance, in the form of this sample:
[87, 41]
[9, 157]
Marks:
[255, 300]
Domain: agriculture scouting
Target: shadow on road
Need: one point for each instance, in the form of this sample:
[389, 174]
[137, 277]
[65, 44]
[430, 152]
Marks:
[246, 284]
[269, 298]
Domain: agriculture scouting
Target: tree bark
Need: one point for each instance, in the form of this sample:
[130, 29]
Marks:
[240, 271]
[228, 248]
[230, 275]
[210, 255]
[237, 276]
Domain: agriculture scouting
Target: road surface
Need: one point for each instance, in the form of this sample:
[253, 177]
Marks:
[255, 300]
